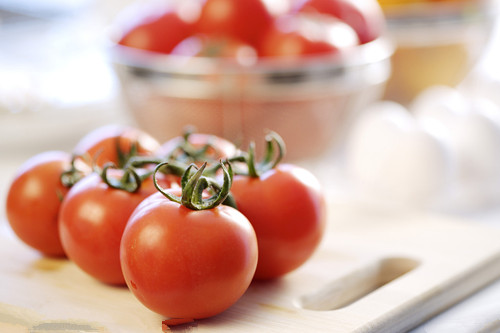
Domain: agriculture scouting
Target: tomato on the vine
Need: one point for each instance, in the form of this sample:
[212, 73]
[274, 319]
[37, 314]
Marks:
[247, 20]
[115, 143]
[197, 147]
[92, 219]
[188, 260]
[34, 199]
[226, 47]
[286, 206]
[366, 16]
[287, 210]
[302, 35]
[158, 32]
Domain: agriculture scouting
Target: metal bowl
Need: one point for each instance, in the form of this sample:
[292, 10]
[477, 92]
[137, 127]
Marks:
[309, 102]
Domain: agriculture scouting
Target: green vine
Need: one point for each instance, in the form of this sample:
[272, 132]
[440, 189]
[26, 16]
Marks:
[130, 181]
[71, 176]
[194, 185]
[274, 153]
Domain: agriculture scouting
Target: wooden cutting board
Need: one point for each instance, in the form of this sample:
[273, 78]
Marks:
[376, 271]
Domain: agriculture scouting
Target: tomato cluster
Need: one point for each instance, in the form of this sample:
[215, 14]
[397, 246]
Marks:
[256, 28]
[186, 225]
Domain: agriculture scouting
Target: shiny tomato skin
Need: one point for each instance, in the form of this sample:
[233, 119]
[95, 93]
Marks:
[91, 223]
[187, 264]
[216, 47]
[288, 212]
[159, 33]
[34, 198]
[366, 16]
[100, 144]
[293, 44]
[246, 20]
[301, 35]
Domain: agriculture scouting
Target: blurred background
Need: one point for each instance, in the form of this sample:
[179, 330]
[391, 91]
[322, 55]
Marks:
[60, 80]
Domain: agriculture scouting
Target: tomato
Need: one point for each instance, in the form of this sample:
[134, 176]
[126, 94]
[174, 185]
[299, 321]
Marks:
[246, 20]
[220, 47]
[287, 210]
[364, 16]
[198, 147]
[299, 35]
[185, 263]
[91, 221]
[34, 199]
[158, 32]
[101, 144]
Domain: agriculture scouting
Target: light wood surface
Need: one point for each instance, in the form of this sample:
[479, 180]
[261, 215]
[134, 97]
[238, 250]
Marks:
[376, 271]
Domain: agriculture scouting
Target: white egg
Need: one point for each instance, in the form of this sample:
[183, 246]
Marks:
[390, 155]
[482, 83]
[478, 143]
[439, 102]
[469, 127]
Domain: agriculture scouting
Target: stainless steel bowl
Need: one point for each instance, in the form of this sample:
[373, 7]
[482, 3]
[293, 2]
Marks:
[309, 102]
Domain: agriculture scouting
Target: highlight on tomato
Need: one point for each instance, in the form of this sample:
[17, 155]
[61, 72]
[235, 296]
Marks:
[364, 16]
[93, 216]
[245, 20]
[226, 47]
[286, 207]
[35, 195]
[186, 256]
[159, 28]
[302, 35]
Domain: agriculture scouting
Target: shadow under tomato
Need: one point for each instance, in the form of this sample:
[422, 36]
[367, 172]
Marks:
[49, 264]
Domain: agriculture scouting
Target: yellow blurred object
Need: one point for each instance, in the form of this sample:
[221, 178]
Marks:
[417, 68]
[388, 3]
[437, 42]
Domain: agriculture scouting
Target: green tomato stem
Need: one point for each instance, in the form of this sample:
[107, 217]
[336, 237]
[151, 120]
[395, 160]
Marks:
[271, 157]
[71, 176]
[130, 181]
[194, 185]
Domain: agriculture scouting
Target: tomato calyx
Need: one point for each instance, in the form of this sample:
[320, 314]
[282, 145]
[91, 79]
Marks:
[72, 175]
[123, 155]
[187, 152]
[130, 181]
[271, 159]
[194, 186]
[172, 168]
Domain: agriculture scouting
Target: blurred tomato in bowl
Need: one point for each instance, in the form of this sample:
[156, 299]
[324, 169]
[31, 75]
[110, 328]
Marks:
[239, 69]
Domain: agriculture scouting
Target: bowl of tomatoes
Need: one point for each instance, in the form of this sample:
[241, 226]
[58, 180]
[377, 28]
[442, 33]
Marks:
[239, 69]
[437, 42]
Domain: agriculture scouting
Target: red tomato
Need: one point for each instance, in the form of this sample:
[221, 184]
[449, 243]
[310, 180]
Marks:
[184, 263]
[247, 20]
[220, 47]
[91, 222]
[101, 144]
[217, 148]
[34, 199]
[365, 16]
[159, 32]
[299, 35]
[287, 210]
